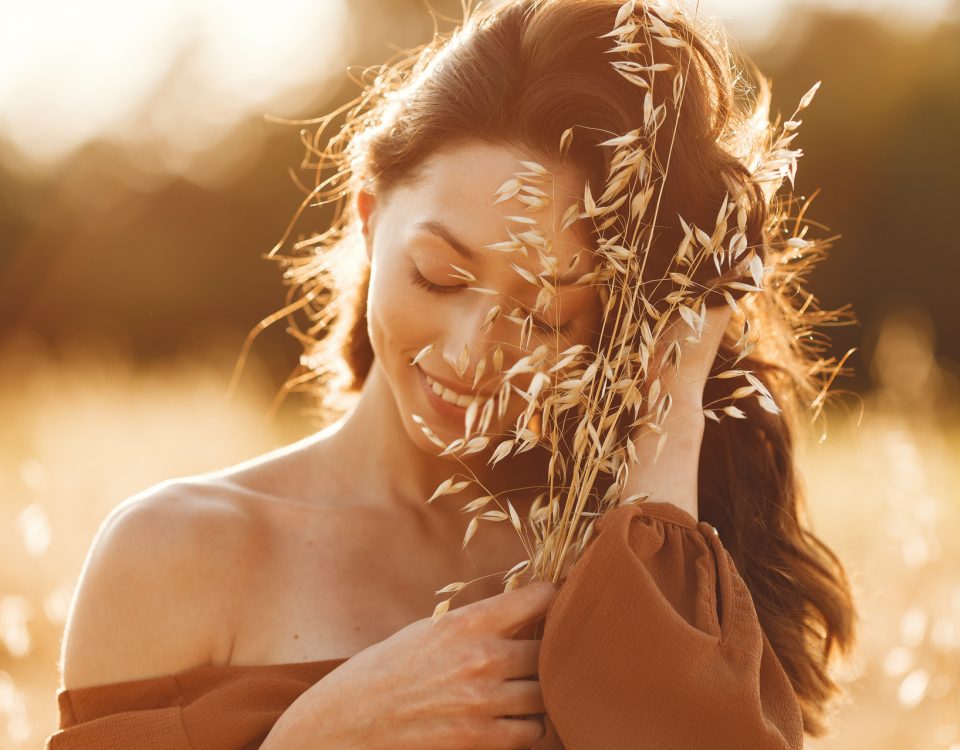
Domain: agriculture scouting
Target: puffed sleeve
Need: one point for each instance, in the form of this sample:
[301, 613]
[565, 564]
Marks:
[228, 708]
[653, 641]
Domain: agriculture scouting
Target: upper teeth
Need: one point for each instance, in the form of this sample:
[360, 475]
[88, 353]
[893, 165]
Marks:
[459, 399]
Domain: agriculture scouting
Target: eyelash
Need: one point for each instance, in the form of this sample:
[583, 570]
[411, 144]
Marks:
[419, 279]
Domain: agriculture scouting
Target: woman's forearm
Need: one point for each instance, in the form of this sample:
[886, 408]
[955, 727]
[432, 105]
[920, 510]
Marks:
[671, 477]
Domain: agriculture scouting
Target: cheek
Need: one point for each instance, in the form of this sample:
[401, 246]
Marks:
[397, 316]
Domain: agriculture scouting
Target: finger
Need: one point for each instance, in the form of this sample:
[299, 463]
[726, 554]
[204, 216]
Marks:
[521, 658]
[517, 698]
[518, 734]
[506, 613]
[532, 630]
[496, 733]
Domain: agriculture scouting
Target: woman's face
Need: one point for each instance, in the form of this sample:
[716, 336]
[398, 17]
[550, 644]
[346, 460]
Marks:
[447, 215]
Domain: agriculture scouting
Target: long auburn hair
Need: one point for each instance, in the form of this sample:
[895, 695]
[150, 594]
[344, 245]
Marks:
[520, 72]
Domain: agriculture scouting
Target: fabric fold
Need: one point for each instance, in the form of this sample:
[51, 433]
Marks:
[225, 707]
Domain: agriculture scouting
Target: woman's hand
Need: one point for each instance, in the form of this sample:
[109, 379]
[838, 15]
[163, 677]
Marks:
[672, 476]
[432, 686]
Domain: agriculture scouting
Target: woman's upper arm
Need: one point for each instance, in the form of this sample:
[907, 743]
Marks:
[147, 599]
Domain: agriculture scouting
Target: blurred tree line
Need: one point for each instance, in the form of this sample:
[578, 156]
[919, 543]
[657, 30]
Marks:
[108, 249]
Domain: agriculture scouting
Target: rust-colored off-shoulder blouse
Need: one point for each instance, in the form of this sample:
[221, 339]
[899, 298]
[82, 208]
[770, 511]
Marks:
[651, 642]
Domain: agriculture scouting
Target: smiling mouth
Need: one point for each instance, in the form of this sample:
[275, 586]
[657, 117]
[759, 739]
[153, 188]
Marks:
[459, 400]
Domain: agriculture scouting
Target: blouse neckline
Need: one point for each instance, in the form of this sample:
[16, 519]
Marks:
[663, 511]
[206, 668]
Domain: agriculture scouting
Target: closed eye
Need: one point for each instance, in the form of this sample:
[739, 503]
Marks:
[418, 278]
[548, 328]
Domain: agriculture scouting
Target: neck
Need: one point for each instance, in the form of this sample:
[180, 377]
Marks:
[393, 469]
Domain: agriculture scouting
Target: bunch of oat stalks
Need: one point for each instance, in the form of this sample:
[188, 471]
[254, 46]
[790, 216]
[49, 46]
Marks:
[587, 407]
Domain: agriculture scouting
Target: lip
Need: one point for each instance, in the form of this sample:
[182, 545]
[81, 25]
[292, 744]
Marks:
[444, 408]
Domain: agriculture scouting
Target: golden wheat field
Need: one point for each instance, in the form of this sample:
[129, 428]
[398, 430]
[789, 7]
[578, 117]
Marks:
[83, 429]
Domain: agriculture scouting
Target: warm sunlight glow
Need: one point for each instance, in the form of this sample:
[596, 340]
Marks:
[169, 71]
[752, 22]
[176, 74]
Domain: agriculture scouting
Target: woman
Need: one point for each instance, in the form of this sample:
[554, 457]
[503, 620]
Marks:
[287, 602]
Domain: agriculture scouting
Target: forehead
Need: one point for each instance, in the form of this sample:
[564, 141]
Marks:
[478, 167]
[458, 185]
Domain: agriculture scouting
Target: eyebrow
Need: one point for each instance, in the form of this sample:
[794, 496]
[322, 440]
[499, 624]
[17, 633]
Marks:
[444, 232]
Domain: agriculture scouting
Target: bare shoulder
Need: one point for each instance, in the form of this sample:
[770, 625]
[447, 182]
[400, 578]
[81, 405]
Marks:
[156, 585]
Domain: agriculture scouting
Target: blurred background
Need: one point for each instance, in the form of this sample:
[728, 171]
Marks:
[141, 184]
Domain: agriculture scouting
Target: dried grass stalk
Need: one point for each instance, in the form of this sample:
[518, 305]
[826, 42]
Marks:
[592, 404]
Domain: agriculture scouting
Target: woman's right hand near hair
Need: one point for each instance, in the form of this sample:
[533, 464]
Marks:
[432, 686]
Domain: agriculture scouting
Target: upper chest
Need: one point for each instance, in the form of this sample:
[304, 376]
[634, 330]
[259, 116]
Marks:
[327, 583]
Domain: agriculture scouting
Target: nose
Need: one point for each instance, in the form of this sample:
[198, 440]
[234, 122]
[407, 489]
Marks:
[473, 337]
[466, 348]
